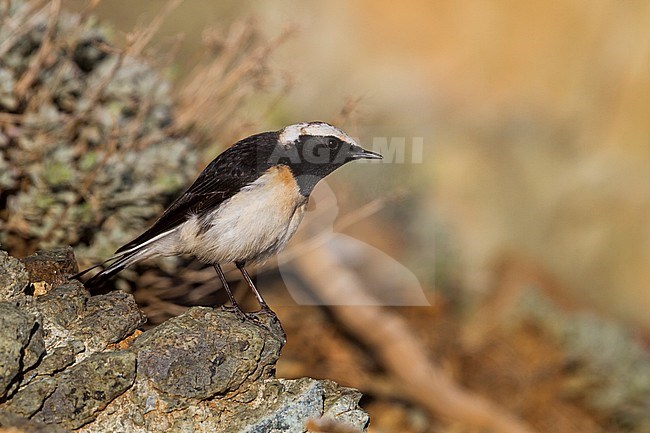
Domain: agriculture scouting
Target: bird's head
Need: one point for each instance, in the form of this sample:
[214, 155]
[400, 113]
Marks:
[315, 149]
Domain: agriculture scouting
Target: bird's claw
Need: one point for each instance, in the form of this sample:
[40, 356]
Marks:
[270, 323]
[235, 309]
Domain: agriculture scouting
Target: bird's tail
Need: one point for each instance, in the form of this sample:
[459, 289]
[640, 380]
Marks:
[119, 262]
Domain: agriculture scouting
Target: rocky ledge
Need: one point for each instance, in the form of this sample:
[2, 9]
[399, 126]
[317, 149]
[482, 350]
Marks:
[74, 362]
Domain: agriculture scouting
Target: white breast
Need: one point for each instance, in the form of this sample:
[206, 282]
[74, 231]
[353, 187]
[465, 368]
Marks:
[251, 226]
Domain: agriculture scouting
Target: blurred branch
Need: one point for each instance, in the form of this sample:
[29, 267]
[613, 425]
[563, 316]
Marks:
[349, 110]
[401, 353]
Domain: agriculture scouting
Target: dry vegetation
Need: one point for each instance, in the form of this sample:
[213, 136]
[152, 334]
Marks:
[93, 144]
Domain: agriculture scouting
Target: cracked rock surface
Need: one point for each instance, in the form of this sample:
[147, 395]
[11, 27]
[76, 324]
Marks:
[74, 362]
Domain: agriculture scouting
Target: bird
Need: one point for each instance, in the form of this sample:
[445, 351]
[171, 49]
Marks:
[245, 205]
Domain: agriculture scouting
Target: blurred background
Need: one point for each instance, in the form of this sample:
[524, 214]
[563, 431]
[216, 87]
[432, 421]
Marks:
[500, 253]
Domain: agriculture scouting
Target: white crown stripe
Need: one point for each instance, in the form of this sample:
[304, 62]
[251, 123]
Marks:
[292, 133]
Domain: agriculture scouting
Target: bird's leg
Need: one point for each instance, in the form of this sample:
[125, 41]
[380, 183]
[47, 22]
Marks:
[233, 301]
[260, 300]
[265, 307]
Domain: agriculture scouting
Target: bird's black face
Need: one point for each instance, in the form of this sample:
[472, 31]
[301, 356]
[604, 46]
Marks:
[311, 158]
[325, 154]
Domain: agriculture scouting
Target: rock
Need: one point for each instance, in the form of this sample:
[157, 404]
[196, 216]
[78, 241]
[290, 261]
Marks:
[13, 277]
[71, 314]
[73, 361]
[51, 266]
[286, 405]
[59, 358]
[63, 305]
[29, 399]
[274, 405]
[342, 404]
[108, 319]
[88, 387]
[10, 423]
[21, 343]
[205, 352]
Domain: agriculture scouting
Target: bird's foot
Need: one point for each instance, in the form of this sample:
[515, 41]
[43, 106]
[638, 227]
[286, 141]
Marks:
[264, 318]
[267, 319]
[237, 310]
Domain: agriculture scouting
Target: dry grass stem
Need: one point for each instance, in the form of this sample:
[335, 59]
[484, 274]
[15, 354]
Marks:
[28, 10]
[140, 38]
[234, 69]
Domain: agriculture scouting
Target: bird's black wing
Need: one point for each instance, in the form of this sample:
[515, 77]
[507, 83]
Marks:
[226, 175]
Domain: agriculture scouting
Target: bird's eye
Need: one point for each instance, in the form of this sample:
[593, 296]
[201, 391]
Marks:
[332, 143]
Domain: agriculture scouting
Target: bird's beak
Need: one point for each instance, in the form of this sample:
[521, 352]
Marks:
[357, 152]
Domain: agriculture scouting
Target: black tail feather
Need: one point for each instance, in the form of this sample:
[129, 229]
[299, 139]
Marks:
[85, 271]
[104, 275]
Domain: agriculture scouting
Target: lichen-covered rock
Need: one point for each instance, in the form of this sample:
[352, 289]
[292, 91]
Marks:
[59, 358]
[11, 423]
[286, 405]
[41, 336]
[207, 371]
[21, 343]
[70, 314]
[108, 319]
[342, 404]
[62, 305]
[29, 399]
[274, 405]
[203, 371]
[86, 388]
[72, 320]
[13, 278]
[205, 352]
